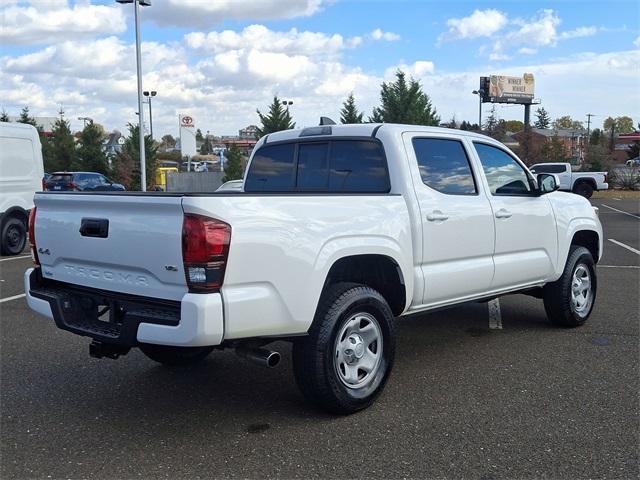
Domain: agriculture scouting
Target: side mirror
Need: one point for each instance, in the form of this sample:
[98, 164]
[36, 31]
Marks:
[547, 183]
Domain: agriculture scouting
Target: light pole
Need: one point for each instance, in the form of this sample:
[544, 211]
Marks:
[143, 169]
[85, 120]
[479, 93]
[150, 95]
[286, 103]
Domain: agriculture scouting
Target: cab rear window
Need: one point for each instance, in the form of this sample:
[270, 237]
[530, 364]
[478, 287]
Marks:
[336, 166]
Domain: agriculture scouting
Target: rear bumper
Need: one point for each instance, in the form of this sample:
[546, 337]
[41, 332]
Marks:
[197, 320]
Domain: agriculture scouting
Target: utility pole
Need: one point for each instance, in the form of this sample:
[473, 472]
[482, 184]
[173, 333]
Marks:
[589, 115]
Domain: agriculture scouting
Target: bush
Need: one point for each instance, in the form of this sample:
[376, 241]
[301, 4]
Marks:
[625, 178]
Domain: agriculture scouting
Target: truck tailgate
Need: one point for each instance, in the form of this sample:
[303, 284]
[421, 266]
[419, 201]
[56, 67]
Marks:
[130, 244]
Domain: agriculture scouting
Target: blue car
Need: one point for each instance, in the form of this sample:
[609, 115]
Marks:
[80, 181]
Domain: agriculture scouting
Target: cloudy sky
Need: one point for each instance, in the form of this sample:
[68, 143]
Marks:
[219, 60]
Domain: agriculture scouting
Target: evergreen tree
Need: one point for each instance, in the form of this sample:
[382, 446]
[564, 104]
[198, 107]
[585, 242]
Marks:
[199, 136]
[402, 102]
[25, 118]
[61, 150]
[4, 117]
[349, 112]
[542, 119]
[553, 151]
[91, 156]
[276, 120]
[597, 137]
[205, 148]
[127, 162]
[233, 169]
[492, 123]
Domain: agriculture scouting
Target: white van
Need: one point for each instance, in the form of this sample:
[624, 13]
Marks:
[21, 173]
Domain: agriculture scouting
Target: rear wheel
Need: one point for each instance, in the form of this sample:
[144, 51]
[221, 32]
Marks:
[569, 300]
[345, 361]
[14, 236]
[175, 356]
[583, 189]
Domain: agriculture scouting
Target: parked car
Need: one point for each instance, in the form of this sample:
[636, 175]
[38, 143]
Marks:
[80, 181]
[582, 183]
[21, 172]
[340, 229]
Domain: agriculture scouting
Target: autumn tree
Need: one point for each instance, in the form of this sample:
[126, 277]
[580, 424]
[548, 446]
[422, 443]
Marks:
[566, 122]
[349, 112]
[277, 119]
[404, 101]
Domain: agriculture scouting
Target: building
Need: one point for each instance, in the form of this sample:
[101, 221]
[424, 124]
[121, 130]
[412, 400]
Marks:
[46, 123]
[623, 143]
[113, 143]
[250, 132]
[573, 141]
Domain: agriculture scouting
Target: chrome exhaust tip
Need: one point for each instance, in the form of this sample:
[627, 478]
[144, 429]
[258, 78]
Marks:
[261, 356]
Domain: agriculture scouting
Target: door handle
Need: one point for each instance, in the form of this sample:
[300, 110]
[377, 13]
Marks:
[437, 216]
[502, 213]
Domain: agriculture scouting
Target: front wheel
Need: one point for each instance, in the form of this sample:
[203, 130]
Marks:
[569, 300]
[175, 356]
[345, 361]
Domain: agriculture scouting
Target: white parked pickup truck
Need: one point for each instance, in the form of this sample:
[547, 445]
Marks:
[582, 183]
[338, 230]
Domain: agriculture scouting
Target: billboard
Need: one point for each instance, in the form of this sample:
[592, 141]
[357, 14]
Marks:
[504, 89]
[187, 135]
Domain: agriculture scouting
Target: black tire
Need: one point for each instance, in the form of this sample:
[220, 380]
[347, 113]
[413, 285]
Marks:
[319, 375]
[558, 300]
[583, 189]
[175, 356]
[14, 236]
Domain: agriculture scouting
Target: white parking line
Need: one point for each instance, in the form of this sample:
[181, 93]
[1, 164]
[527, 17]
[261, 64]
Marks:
[15, 297]
[495, 316]
[623, 245]
[14, 258]
[620, 211]
[619, 266]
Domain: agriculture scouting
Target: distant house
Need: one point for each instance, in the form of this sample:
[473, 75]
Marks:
[572, 140]
[622, 144]
[112, 145]
[248, 133]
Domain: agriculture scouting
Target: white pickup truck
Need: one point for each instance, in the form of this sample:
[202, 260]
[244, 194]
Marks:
[339, 230]
[582, 183]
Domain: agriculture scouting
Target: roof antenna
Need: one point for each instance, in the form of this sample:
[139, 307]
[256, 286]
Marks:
[326, 121]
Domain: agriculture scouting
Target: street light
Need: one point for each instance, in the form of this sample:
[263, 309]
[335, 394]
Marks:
[143, 169]
[479, 92]
[149, 95]
[85, 120]
[286, 103]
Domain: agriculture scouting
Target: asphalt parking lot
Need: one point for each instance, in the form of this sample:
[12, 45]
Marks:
[464, 401]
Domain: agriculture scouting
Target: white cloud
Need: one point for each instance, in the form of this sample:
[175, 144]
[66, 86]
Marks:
[496, 57]
[418, 69]
[47, 21]
[539, 31]
[528, 51]
[481, 23]
[578, 32]
[205, 13]
[378, 34]
[636, 42]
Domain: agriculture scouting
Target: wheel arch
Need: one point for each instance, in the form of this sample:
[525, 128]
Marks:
[589, 181]
[378, 271]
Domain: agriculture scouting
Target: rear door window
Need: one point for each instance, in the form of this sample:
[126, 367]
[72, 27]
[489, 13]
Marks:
[444, 166]
[272, 169]
[549, 169]
[358, 166]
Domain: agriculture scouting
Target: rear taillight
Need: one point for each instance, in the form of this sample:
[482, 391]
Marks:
[606, 178]
[44, 184]
[205, 248]
[73, 186]
[32, 236]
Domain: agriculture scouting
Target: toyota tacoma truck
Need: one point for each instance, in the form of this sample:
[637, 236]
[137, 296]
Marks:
[337, 231]
[582, 183]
